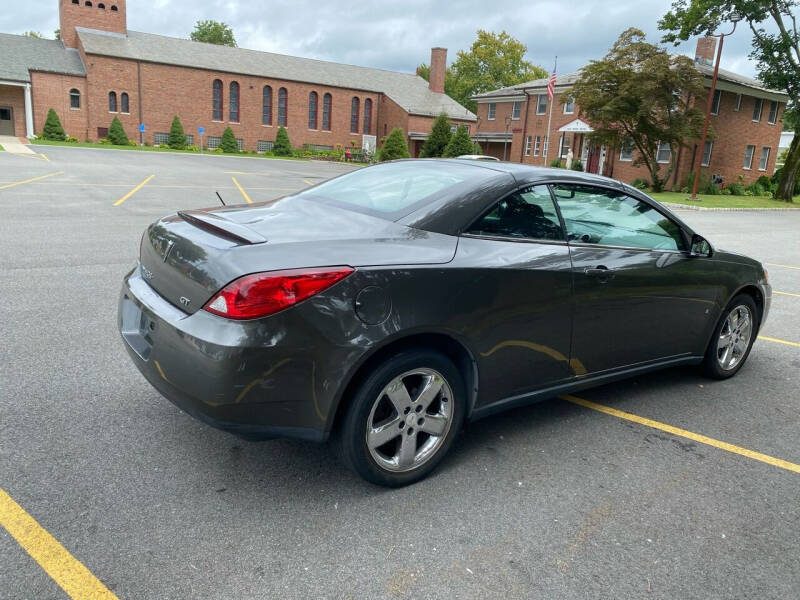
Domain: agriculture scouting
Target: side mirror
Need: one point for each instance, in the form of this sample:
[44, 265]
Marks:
[700, 246]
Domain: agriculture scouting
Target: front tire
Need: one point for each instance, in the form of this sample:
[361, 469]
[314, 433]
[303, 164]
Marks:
[403, 418]
[733, 338]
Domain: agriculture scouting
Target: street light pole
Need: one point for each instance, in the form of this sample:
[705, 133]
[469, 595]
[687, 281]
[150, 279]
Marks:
[709, 104]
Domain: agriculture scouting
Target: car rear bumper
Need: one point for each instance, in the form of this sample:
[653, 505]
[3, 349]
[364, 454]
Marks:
[229, 374]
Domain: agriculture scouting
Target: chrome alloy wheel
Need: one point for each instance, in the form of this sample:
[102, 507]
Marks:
[734, 337]
[410, 420]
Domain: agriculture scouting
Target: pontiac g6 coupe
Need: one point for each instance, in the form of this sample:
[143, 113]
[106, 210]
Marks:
[385, 307]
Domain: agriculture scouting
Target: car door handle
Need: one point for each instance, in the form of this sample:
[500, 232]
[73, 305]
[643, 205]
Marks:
[602, 272]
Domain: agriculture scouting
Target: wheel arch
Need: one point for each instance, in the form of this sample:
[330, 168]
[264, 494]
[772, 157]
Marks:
[755, 292]
[445, 343]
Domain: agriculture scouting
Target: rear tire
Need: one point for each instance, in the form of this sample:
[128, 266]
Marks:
[403, 418]
[733, 338]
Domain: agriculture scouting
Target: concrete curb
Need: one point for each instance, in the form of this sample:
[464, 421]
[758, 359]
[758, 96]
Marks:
[729, 209]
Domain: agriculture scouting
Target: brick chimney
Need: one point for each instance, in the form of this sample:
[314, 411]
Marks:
[438, 68]
[106, 15]
[706, 46]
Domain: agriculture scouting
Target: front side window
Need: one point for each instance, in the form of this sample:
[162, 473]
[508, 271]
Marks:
[74, 99]
[715, 102]
[217, 101]
[282, 100]
[234, 102]
[528, 143]
[354, 106]
[541, 104]
[125, 103]
[266, 105]
[759, 105]
[368, 116]
[525, 214]
[664, 152]
[773, 113]
[326, 112]
[312, 110]
[112, 101]
[707, 153]
[764, 159]
[569, 108]
[545, 145]
[537, 144]
[516, 109]
[492, 111]
[595, 215]
[749, 151]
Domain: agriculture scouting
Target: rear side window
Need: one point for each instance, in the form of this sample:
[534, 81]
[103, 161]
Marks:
[525, 214]
[596, 215]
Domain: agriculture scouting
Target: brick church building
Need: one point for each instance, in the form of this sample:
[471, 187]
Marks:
[100, 70]
[746, 116]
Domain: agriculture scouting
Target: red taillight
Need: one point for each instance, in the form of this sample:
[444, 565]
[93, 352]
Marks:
[262, 294]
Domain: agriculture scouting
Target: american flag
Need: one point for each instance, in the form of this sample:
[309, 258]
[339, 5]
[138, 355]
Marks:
[551, 84]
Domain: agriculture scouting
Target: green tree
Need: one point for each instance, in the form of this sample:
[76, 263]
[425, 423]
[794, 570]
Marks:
[228, 143]
[394, 146]
[459, 144]
[791, 118]
[777, 53]
[213, 32]
[33, 34]
[116, 133]
[641, 95]
[177, 137]
[52, 127]
[438, 138]
[57, 34]
[282, 145]
[493, 61]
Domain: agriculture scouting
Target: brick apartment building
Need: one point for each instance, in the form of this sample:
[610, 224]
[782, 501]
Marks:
[512, 123]
[100, 70]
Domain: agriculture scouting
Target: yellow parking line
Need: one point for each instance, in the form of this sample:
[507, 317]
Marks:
[67, 571]
[696, 437]
[133, 191]
[785, 293]
[307, 182]
[241, 189]
[44, 157]
[12, 184]
[777, 341]
[783, 266]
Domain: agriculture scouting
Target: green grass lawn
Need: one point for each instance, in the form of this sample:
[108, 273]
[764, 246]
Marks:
[724, 201]
[149, 149]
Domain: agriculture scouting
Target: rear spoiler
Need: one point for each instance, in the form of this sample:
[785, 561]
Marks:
[222, 227]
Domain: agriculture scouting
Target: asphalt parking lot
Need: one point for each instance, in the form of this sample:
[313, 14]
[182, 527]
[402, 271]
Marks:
[556, 500]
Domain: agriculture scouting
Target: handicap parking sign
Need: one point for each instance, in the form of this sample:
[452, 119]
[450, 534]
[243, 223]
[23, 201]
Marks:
[142, 128]
[201, 130]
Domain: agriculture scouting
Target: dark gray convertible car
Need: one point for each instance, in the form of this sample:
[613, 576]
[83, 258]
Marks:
[387, 306]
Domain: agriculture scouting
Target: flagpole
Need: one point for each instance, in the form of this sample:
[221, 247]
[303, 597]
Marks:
[550, 117]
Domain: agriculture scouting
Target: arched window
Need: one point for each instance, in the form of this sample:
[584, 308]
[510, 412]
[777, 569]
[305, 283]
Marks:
[124, 103]
[368, 116]
[216, 104]
[74, 98]
[266, 105]
[326, 112]
[87, 4]
[234, 102]
[101, 5]
[354, 115]
[76, 1]
[282, 100]
[312, 110]
[112, 101]
[113, 8]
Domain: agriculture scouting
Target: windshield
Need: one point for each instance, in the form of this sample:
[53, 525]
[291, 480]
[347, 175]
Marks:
[393, 190]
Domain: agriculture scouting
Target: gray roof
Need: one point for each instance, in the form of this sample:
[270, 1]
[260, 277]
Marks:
[410, 91]
[570, 78]
[20, 54]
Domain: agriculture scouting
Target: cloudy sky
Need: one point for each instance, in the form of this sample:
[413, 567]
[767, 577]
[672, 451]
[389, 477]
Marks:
[398, 35]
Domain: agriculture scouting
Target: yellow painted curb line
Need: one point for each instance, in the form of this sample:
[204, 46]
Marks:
[67, 571]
